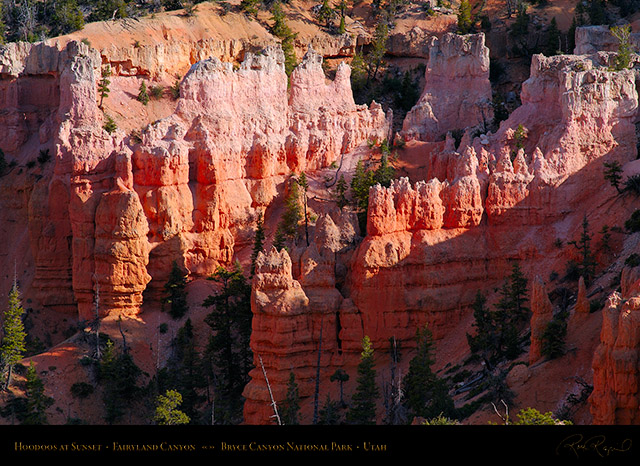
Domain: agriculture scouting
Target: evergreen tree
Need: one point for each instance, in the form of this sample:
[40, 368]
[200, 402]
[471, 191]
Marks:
[14, 335]
[167, 412]
[184, 372]
[175, 288]
[143, 94]
[118, 374]
[290, 408]
[363, 409]
[258, 243]
[465, 25]
[37, 401]
[341, 192]
[281, 29]
[552, 39]
[375, 58]
[326, 14]
[304, 184]
[426, 395]
[329, 413]
[291, 217]
[341, 377]
[624, 54]
[228, 350]
[587, 267]
[104, 10]
[66, 17]
[103, 86]
[613, 174]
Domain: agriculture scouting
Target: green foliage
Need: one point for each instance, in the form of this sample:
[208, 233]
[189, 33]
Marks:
[175, 288]
[553, 337]
[13, 343]
[533, 417]
[185, 372]
[330, 413]
[118, 374]
[341, 192]
[37, 401]
[281, 29]
[167, 412]
[632, 184]
[552, 41]
[520, 26]
[291, 217]
[143, 94]
[440, 420]
[258, 243]
[81, 389]
[613, 173]
[624, 54]
[363, 179]
[426, 395]
[104, 10]
[633, 260]
[326, 14]
[465, 22]
[250, 7]
[375, 58]
[632, 224]
[109, 124]
[66, 17]
[290, 407]
[587, 267]
[103, 85]
[363, 409]
[228, 351]
[497, 331]
[174, 90]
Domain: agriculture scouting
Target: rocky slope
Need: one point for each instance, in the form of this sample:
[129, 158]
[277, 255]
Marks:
[95, 229]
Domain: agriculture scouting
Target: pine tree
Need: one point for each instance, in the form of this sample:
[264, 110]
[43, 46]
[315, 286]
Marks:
[175, 288]
[341, 192]
[184, 371]
[228, 349]
[587, 267]
[341, 377]
[37, 401]
[291, 217]
[552, 39]
[375, 58]
[14, 335]
[290, 408]
[103, 86]
[143, 94]
[281, 29]
[426, 395]
[363, 409]
[304, 184]
[258, 243]
[613, 174]
[118, 374]
[622, 60]
[464, 17]
[167, 412]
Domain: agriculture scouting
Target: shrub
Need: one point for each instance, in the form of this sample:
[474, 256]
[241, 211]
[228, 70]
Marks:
[109, 125]
[632, 184]
[81, 389]
[633, 223]
[633, 260]
[143, 95]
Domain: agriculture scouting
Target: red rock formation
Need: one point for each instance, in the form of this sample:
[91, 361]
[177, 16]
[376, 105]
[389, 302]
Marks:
[200, 175]
[457, 91]
[614, 399]
[541, 314]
